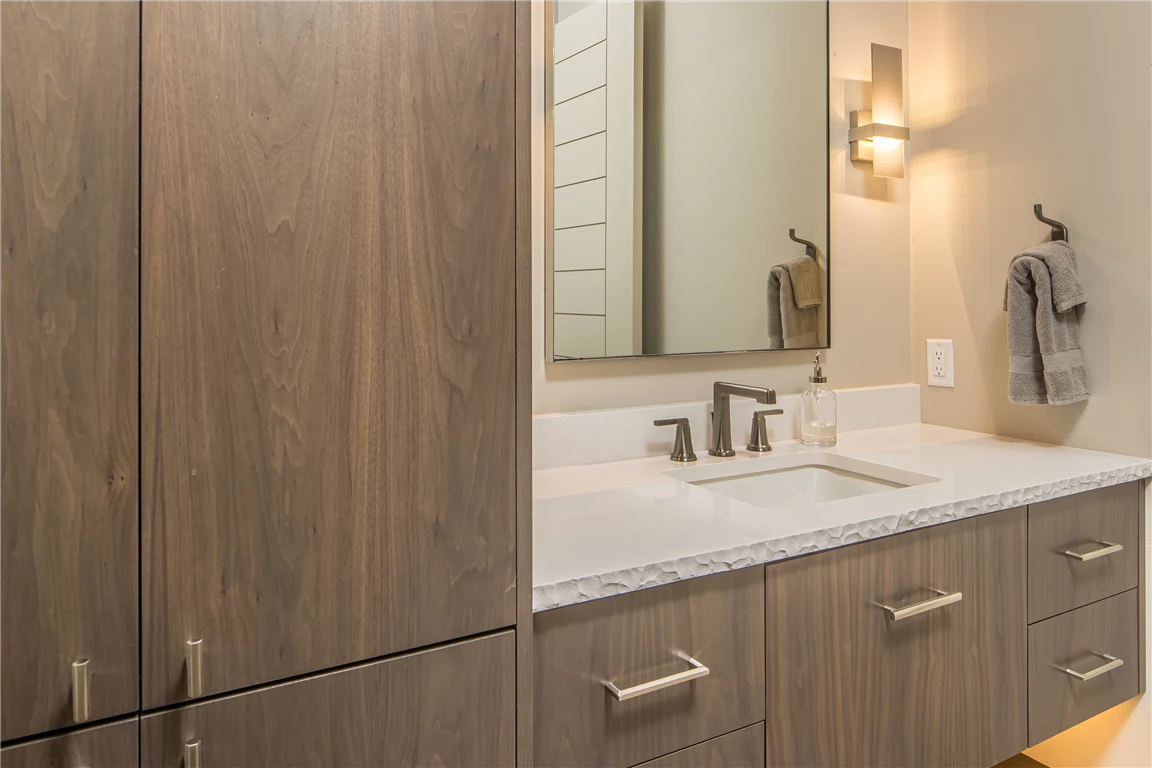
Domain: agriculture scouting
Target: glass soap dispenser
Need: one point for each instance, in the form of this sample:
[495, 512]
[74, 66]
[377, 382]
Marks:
[818, 410]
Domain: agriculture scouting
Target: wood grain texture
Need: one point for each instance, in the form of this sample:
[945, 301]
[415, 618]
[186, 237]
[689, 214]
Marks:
[329, 389]
[1057, 701]
[1058, 583]
[848, 687]
[68, 332]
[524, 383]
[115, 745]
[740, 749]
[1142, 595]
[452, 706]
[634, 638]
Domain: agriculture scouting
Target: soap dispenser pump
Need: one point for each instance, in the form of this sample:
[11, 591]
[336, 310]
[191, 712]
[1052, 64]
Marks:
[818, 410]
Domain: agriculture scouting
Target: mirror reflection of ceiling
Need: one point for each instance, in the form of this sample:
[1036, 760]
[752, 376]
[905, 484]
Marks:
[688, 139]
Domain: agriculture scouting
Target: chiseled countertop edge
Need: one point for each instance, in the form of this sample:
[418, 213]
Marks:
[595, 586]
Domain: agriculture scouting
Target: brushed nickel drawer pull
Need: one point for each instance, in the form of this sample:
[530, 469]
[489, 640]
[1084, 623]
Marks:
[1109, 549]
[697, 670]
[1111, 663]
[942, 599]
[81, 698]
[192, 754]
[194, 667]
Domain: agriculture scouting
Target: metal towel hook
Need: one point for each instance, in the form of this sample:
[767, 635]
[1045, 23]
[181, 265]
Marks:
[1059, 231]
[809, 246]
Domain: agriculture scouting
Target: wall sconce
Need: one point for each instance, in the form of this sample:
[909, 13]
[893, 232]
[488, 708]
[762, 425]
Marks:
[878, 136]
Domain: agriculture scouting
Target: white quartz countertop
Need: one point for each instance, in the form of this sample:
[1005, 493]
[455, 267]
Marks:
[606, 529]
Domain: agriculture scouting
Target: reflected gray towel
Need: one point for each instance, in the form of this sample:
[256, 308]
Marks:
[791, 326]
[1045, 364]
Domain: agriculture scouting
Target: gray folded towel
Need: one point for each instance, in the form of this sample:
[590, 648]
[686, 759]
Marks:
[790, 325]
[1045, 364]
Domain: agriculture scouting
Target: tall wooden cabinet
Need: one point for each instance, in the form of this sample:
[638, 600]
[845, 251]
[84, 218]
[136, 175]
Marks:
[328, 284]
[271, 249]
[69, 92]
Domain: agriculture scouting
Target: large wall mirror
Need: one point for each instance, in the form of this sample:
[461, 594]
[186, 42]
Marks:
[687, 177]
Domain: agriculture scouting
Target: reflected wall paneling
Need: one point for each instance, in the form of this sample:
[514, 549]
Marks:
[69, 85]
[328, 383]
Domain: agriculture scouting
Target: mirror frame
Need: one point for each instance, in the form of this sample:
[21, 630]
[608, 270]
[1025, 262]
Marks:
[549, 195]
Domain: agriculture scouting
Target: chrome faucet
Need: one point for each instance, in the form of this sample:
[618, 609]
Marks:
[722, 412]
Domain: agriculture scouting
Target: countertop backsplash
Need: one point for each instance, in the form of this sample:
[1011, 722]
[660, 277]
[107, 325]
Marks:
[594, 437]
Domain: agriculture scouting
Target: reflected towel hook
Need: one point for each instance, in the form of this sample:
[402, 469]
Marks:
[1059, 231]
[809, 246]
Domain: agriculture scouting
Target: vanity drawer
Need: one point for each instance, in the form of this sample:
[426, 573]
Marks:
[1098, 642]
[1082, 548]
[740, 749]
[869, 666]
[640, 637]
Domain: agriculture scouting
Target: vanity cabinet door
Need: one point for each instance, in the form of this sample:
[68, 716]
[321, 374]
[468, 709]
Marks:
[849, 685]
[328, 273]
[453, 706]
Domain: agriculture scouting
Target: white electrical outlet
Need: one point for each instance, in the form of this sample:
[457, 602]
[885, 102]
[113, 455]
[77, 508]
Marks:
[941, 363]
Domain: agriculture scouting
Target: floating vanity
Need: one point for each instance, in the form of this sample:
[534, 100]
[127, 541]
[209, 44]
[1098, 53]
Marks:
[916, 595]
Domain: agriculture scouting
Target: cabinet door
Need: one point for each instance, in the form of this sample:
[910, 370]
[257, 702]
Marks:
[633, 640]
[116, 745]
[453, 706]
[849, 686]
[70, 98]
[328, 234]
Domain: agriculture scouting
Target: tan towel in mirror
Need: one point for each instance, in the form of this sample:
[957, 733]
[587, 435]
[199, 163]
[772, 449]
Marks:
[807, 287]
[792, 325]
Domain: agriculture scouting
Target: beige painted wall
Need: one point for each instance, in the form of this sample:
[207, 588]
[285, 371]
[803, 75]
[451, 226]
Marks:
[869, 254]
[1021, 103]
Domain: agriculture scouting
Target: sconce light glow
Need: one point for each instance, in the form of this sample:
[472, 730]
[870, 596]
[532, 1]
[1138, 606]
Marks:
[877, 136]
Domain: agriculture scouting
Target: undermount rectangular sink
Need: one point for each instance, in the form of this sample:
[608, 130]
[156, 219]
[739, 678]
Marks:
[800, 479]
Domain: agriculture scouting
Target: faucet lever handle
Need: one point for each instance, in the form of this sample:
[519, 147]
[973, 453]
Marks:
[682, 449]
[759, 439]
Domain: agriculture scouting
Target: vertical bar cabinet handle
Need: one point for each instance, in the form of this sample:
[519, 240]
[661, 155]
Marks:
[194, 667]
[81, 696]
[192, 753]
